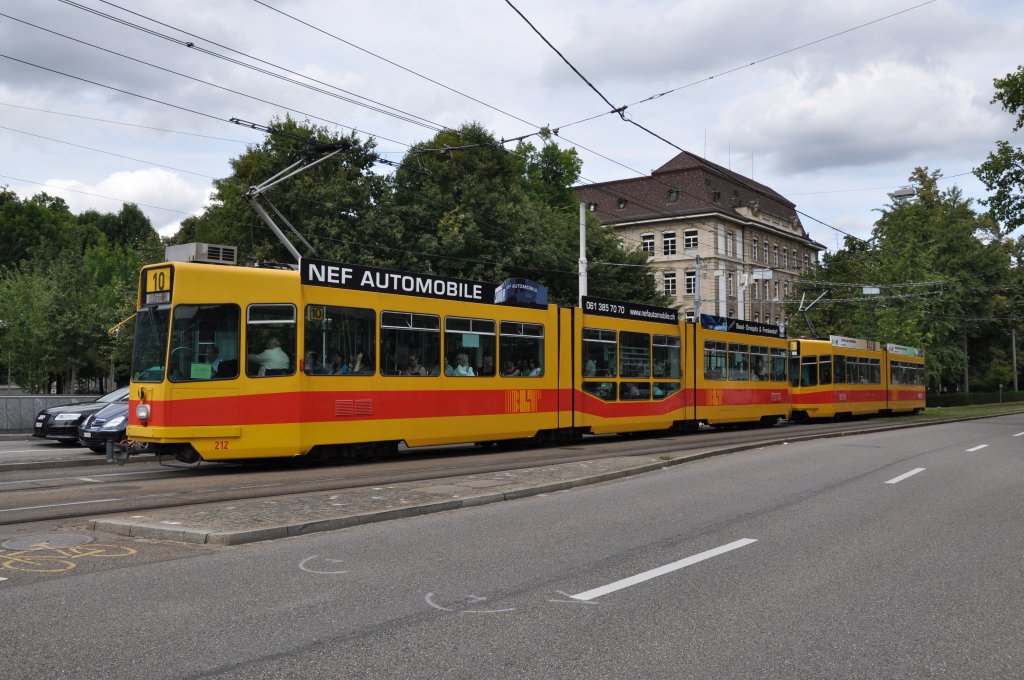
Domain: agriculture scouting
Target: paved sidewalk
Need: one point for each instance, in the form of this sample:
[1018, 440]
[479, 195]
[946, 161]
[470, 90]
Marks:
[234, 522]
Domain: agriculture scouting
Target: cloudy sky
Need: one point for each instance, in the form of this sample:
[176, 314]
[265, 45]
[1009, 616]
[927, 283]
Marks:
[832, 103]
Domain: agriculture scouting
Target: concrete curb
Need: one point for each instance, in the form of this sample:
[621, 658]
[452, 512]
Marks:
[93, 459]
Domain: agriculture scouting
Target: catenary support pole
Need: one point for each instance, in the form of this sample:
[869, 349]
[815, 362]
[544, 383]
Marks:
[583, 253]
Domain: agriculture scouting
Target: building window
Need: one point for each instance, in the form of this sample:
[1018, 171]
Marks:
[756, 253]
[731, 281]
[775, 255]
[757, 317]
[668, 242]
[807, 261]
[673, 195]
[785, 291]
[688, 314]
[766, 289]
[730, 244]
[754, 289]
[766, 252]
[776, 290]
[670, 283]
[716, 196]
[622, 203]
[690, 238]
[647, 243]
[690, 282]
[785, 258]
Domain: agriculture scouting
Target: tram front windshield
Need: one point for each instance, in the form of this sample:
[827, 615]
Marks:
[149, 355]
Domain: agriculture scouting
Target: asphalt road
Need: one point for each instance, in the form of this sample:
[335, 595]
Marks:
[824, 559]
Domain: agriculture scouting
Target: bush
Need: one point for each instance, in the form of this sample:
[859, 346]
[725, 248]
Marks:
[968, 398]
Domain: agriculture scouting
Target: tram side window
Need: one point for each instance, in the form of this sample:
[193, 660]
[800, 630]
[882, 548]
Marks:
[404, 335]
[270, 340]
[778, 364]
[634, 391]
[758, 363]
[825, 369]
[602, 390]
[666, 356]
[714, 360]
[663, 390]
[839, 369]
[204, 343]
[739, 368]
[339, 340]
[896, 373]
[469, 347]
[522, 349]
[808, 371]
[875, 366]
[599, 353]
[855, 371]
[634, 355]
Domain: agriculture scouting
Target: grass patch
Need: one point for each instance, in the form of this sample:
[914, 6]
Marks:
[940, 413]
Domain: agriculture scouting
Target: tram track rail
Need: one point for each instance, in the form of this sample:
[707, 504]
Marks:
[70, 496]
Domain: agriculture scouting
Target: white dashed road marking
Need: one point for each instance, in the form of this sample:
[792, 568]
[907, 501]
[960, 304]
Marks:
[979, 447]
[660, 571]
[897, 480]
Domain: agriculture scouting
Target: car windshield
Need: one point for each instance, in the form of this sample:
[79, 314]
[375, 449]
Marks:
[117, 395]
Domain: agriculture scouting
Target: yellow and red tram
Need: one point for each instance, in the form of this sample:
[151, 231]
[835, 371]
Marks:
[842, 377]
[234, 363]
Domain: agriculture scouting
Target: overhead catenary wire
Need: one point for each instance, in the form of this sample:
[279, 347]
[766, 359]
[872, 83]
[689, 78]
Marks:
[109, 153]
[119, 122]
[741, 67]
[179, 74]
[361, 100]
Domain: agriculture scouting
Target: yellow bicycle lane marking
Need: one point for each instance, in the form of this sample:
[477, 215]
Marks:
[43, 559]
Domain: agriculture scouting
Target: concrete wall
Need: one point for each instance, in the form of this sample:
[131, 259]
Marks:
[17, 414]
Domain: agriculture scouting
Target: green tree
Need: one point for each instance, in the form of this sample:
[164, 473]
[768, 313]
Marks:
[59, 297]
[33, 228]
[464, 206]
[328, 204]
[942, 274]
[1003, 171]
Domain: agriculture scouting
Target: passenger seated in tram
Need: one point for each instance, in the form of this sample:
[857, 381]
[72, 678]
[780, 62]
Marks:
[462, 367]
[590, 368]
[272, 360]
[414, 367]
[509, 369]
[312, 365]
[338, 365]
[534, 369]
[487, 367]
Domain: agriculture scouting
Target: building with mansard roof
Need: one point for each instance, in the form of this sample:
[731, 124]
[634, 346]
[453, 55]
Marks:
[721, 240]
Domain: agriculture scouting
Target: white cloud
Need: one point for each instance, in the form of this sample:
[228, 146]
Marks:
[162, 195]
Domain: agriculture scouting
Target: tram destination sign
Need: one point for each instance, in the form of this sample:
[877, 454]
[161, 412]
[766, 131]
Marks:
[377, 280]
[629, 310]
[724, 323]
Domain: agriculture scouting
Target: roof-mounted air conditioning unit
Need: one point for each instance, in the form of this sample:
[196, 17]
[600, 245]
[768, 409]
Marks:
[209, 253]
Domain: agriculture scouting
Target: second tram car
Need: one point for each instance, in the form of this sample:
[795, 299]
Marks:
[235, 363]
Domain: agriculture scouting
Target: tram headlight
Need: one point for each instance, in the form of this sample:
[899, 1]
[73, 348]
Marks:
[142, 412]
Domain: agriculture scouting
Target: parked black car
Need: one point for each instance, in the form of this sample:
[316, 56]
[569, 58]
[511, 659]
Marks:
[61, 422]
[109, 422]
